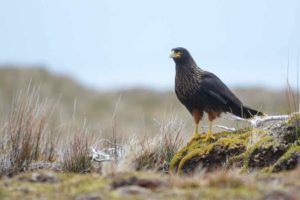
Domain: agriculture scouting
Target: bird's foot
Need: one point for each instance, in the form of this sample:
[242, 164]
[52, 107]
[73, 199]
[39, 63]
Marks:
[195, 135]
[209, 136]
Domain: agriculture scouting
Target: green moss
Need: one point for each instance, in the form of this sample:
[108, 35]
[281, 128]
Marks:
[193, 153]
[260, 151]
[203, 151]
[197, 146]
[195, 142]
[267, 140]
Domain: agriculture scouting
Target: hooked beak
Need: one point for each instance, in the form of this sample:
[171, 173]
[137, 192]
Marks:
[172, 54]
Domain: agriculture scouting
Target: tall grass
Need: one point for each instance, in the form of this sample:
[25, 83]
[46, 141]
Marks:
[27, 140]
[24, 132]
[153, 152]
[76, 153]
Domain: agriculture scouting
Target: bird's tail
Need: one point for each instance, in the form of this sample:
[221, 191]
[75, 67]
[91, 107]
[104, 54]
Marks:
[246, 112]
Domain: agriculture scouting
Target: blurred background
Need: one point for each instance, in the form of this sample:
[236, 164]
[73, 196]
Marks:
[106, 62]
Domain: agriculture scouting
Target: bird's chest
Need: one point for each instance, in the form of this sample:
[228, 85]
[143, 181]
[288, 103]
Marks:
[186, 87]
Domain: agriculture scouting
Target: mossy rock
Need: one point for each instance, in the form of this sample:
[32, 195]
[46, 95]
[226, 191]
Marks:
[289, 160]
[263, 153]
[211, 154]
[273, 150]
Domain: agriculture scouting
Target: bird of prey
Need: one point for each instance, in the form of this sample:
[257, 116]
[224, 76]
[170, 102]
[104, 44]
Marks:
[202, 91]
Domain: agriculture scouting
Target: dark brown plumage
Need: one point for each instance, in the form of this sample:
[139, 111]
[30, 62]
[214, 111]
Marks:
[201, 91]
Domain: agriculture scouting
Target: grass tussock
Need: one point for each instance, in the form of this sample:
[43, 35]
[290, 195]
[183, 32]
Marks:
[76, 155]
[24, 133]
[153, 152]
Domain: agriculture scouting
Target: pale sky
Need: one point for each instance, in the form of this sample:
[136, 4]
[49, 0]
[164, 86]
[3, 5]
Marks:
[117, 44]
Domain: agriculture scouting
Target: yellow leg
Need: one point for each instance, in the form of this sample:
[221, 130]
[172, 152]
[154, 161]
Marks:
[196, 133]
[209, 134]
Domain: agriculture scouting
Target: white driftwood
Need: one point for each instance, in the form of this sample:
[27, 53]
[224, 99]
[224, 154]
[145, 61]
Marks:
[112, 153]
[225, 128]
[258, 122]
[222, 127]
[107, 154]
[100, 156]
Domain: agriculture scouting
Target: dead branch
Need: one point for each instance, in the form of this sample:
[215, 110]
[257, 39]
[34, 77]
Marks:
[258, 122]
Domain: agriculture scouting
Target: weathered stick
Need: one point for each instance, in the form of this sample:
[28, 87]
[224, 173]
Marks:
[222, 127]
[257, 122]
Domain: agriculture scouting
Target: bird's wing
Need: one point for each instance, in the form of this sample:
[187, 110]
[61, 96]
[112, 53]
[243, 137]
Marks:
[215, 88]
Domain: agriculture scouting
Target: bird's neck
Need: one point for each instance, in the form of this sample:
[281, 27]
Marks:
[187, 68]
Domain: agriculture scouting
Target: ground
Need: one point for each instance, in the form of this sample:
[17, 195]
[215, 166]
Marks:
[246, 164]
[149, 185]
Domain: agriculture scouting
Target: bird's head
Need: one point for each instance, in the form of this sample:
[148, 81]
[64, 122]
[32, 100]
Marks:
[180, 55]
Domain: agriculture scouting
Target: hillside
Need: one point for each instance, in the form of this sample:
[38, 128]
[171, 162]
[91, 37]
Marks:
[136, 111]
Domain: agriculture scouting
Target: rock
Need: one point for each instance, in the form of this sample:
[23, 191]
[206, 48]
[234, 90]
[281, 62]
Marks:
[120, 182]
[273, 150]
[43, 177]
[289, 160]
[133, 189]
[89, 196]
[150, 183]
[278, 195]
[24, 189]
[142, 182]
[264, 153]
[285, 132]
[212, 156]
[209, 155]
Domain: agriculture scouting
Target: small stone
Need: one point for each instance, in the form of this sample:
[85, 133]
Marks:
[133, 189]
[150, 183]
[24, 189]
[43, 177]
[278, 195]
[120, 182]
[142, 182]
[89, 196]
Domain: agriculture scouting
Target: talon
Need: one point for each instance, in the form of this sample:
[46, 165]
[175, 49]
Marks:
[196, 134]
[209, 134]
[209, 137]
